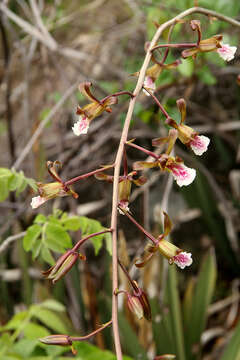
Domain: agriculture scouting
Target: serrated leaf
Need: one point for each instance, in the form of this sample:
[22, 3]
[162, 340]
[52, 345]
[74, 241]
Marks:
[72, 223]
[33, 232]
[57, 239]
[46, 255]
[84, 223]
[51, 320]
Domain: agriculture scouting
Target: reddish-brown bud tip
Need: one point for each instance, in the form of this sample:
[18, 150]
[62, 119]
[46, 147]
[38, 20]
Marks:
[62, 340]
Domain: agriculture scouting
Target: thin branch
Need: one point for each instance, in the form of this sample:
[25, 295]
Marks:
[42, 125]
[9, 240]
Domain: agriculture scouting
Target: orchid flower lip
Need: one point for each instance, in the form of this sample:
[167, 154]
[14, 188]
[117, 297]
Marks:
[199, 144]
[81, 126]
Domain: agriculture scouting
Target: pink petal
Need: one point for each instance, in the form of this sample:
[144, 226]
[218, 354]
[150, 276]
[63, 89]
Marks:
[149, 84]
[37, 201]
[200, 144]
[227, 52]
[81, 126]
[182, 174]
[183, 259]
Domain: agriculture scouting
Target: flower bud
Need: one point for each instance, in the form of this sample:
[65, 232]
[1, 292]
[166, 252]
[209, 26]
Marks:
[135, 306]
[62, 340]
[62, 266]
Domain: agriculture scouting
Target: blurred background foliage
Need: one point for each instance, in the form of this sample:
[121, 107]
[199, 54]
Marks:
[195, 311]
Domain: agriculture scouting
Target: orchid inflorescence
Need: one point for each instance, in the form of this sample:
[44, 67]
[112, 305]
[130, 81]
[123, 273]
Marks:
[137, 300]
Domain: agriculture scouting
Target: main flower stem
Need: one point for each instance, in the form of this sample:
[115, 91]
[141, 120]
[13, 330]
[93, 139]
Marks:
[120, 155]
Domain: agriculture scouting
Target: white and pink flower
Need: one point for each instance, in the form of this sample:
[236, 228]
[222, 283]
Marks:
[199, 144]
[183, 259]
[81, 126]
[37, 201]
[182, 174]
[227, 52]
[149, 84]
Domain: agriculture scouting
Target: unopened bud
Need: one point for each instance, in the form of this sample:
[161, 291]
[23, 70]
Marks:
[62, 266]
[135, 306]
[62, 340]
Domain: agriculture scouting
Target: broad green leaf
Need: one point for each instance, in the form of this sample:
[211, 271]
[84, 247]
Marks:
[33, 232]
[16, 320]
[40, 219]
[232, 350]
[34, 331]
[84, 223]
[25, 347]
[54, 305]
[51, 320]
[186, 68]
[57, 239]
[72, 223]
[4, 190]
[46, 255]
[206, 76]
[86, 351]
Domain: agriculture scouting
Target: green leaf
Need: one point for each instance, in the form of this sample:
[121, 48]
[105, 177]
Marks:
[84, 223]
[202, 296]
[34, 331]
[72, 223]
[40, 219]
[186, 68]
[16, 320]
[108, 239]
[54, 305]
[46, 255]
[232, 350]
[50, 319]
[25, 347]
[86, 351]
[175, 312]
[206, 76]
[33, 232]
[57, 239]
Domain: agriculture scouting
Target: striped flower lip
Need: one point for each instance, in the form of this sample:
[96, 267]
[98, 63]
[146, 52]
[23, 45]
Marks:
[37, 201]
[182, 174]
[81, 126]
[227, 52]
[199, 144]
[183, 259]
